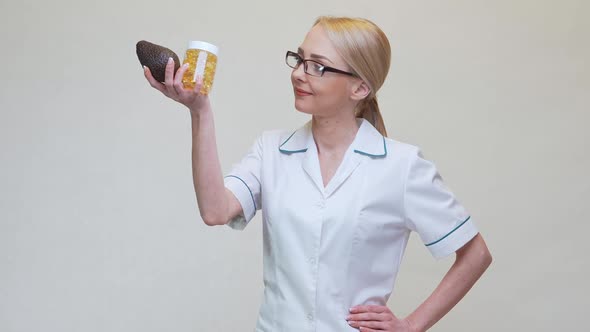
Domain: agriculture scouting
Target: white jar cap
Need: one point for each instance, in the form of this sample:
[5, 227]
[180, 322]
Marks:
[201, 45]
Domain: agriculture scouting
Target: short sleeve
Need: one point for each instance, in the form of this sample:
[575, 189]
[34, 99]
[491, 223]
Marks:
[244, 182]
[433, 211]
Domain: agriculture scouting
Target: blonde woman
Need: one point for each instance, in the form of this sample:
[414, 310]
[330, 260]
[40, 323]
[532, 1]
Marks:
[338, 198]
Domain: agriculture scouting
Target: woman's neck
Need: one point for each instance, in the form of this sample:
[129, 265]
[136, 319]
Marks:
[334, 134]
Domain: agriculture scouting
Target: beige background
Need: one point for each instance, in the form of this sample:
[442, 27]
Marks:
[99, 229]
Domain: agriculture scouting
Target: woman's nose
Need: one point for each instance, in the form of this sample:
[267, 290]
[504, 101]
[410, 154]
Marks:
[298, 73]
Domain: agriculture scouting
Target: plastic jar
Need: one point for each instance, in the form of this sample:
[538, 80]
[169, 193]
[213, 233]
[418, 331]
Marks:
[202, 59]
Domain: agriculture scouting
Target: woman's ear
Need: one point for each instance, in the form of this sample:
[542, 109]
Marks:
[360, 90]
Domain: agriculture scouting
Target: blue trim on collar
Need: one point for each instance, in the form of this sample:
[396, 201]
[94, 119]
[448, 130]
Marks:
[367, 131]
[290, 151]
[374, 155]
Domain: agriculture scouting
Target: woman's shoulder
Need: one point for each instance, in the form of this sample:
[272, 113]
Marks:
[402, 149]
[272, 136]
[287, 137]
[272, 139]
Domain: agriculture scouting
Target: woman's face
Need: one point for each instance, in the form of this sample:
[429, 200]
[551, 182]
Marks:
[330, 93]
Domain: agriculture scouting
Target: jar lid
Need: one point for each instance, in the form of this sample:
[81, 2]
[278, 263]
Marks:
[201, 45]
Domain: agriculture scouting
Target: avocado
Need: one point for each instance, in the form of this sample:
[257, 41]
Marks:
[155, 57]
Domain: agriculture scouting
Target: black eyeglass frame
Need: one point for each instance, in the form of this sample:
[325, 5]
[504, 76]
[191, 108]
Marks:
[323, 67]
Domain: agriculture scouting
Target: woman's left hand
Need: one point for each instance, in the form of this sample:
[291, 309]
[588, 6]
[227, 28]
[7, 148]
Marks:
[373, 318]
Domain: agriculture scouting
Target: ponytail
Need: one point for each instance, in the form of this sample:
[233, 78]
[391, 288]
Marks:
[368, 109]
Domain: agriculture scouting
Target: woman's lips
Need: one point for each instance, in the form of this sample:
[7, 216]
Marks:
[302, 93]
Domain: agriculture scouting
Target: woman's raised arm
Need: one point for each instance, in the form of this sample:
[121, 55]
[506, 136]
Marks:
[217, 205]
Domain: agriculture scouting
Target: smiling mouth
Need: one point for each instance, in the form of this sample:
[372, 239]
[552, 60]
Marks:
[302, 93]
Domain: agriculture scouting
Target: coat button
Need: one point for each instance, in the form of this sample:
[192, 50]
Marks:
[310, 317]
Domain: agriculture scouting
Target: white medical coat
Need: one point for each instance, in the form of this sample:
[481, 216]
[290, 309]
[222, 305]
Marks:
[327, 249]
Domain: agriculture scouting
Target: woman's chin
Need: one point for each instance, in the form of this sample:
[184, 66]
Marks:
[302, 108]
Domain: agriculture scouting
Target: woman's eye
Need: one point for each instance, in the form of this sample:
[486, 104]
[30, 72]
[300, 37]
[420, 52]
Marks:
[317, 67]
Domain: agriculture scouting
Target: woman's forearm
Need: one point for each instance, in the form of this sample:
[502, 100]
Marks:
[471, 262]
[207, 175]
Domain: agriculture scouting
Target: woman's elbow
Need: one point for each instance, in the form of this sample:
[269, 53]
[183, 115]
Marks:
[476, 250]
[486, 258]
[213, 220]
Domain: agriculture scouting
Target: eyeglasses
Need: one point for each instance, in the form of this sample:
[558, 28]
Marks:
[311, 67]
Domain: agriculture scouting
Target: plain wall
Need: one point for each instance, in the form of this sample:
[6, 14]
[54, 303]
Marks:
[99, 228]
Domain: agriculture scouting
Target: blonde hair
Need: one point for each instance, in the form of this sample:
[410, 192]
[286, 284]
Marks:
[365, 48]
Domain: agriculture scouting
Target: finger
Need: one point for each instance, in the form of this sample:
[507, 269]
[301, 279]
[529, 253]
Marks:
[378, 308]
[369, 326]
[178, 86]
[153, 82]
[169, 77]
[198, 84]
[358, 308]
[369, 308]
[367, 316]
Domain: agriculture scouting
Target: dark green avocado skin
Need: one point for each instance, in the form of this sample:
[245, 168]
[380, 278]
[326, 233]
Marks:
[155, 57]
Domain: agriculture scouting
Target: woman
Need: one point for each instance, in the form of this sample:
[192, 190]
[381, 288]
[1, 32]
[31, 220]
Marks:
[339, 199]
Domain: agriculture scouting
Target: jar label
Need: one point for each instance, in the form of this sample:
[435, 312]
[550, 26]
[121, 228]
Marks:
[200, 65]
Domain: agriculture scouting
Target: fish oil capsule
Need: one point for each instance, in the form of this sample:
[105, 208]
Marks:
[202, 59]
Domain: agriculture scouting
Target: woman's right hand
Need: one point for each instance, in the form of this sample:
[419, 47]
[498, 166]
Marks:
[173, 87]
